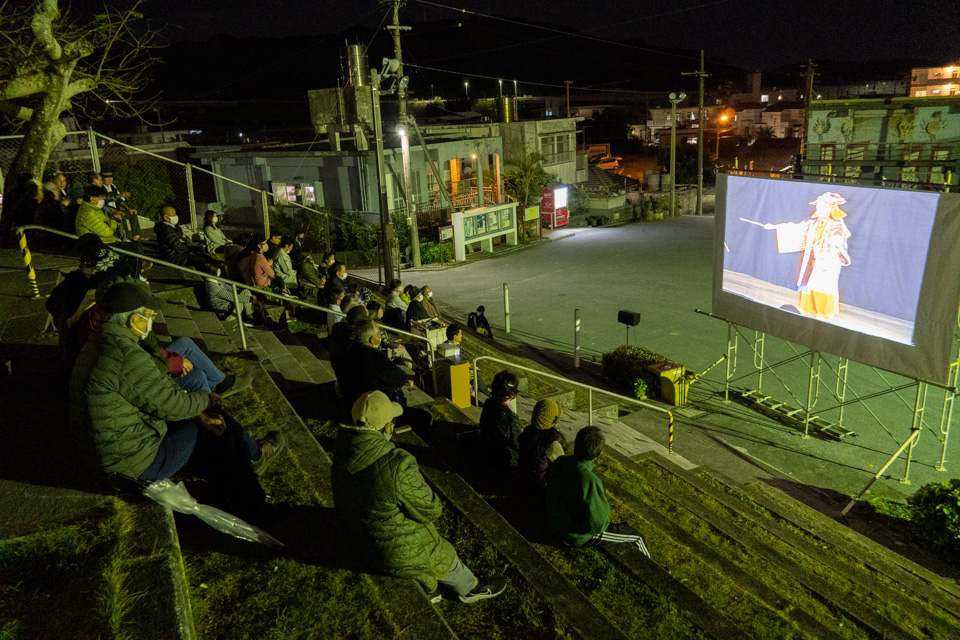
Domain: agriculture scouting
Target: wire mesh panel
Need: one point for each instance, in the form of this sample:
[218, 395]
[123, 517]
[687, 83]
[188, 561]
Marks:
[71, 156]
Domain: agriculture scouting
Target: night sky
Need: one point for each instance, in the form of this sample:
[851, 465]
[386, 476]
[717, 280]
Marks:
[751, 33]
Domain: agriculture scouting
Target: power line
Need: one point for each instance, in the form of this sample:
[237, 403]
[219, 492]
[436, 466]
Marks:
[524, 82]
[586, 37]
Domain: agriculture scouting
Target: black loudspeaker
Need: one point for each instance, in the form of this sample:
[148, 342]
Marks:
[629, 318]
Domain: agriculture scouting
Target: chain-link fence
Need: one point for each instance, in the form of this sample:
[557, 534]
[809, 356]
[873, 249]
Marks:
[71, 157]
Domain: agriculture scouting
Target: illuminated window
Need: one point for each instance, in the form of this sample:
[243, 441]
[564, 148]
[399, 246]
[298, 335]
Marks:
[935, 91]
[765, 97]
[922, 93]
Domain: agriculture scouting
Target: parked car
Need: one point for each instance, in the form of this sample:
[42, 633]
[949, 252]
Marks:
[609, 162]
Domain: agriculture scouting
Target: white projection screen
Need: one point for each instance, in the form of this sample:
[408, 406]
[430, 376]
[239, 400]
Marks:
[869, 274]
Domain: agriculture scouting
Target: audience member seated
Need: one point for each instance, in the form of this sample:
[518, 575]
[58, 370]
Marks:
[428, 302]
[387, 509]
[395, 314]
[92, 219]
[349, 301]
[454, 338]
[371, 370]
[577, 509]
[231, 263]
[499, 425]
[221, 301]
[336, 280]
[173, 242]
[283, 265]
[416, 311]
[540, 444]
[132, 420]
[212, 234]
[477, 321]
[308, 276]
[326, 264]
[334, 305]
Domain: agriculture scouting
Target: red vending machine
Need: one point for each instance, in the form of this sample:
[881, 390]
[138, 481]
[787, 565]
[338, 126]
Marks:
[553, 207]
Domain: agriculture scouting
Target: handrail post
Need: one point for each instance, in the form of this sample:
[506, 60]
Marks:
[28, 263]
[576, 338]
[476, 383]
[266, 214]
[670, 432]
[589, 407]
[94, 154]
[191, 203]
[239, 311]
[506, 307]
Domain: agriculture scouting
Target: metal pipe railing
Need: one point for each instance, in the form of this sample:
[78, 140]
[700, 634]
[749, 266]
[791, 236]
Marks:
[32, 278]
[590, 389]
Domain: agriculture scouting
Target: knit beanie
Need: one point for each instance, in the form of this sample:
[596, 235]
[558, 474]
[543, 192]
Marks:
[546, 415]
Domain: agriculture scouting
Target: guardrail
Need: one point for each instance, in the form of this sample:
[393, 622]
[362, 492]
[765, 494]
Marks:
[238, 308]
[590, 390]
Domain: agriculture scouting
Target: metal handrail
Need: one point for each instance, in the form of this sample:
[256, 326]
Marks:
[590, 389]
[31, 276]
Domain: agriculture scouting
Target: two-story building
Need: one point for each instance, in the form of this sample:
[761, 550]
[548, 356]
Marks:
[929, 82]
[913, 141]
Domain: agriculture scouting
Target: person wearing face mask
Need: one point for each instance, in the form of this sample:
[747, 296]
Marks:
[173, 242]
[133, 422]
[416, 311]
[337, 282]
[370, 369]
[212, 234]
[92, 219]
[308, 276]
[387, 509]
[500, 427]
[428, 303]
[221, 300]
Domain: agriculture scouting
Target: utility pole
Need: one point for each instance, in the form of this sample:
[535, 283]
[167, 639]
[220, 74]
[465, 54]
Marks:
[395, 30]
[701, 74]
[568, 83]
[674, 101]
[386, 225]
[808, 73]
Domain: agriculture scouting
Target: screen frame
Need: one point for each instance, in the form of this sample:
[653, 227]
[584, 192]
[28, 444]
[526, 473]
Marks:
[937, 309]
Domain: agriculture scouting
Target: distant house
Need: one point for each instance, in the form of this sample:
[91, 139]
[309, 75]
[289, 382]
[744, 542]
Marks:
[935, 81]
[908, 140]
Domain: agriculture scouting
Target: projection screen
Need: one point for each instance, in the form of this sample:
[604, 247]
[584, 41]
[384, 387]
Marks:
[869, 274]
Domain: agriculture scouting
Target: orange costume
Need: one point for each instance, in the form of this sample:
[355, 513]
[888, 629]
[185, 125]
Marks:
[823, 240]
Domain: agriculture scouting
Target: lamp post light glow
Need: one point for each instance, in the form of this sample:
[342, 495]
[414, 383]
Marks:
[674, 101]
[722, 119]
[515, 94]
[466, 89]
[500, 82]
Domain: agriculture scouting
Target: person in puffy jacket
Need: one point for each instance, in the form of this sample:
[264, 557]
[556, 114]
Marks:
[541, 443]
[91, 218]
[387, 509]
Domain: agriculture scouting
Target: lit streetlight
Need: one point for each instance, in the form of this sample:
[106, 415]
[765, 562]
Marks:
[466, 89]
[501, 88]
[674, 101]
[515, 94]
[722, 119]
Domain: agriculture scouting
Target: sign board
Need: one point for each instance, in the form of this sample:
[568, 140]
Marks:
[530, 214]
[553, 207]
[446, 233]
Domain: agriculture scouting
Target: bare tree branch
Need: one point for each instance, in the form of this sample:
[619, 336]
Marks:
[24, 86]
[15, 111]
[42, 25]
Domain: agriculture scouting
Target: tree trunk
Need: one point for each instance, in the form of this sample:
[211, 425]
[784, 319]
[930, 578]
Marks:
[44, 132]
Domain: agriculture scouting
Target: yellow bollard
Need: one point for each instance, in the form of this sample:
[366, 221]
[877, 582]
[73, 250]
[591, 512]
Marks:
[27, 263]
[670, 437]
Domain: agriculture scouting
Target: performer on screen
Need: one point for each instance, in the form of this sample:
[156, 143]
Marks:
[823, 240]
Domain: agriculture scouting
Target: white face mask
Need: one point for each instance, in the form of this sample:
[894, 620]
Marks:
[100, 204]
[173, 219]
[430, 294]
[218, 273]
[388, 432]
[343, 276]
[512, 403]
[149, 326]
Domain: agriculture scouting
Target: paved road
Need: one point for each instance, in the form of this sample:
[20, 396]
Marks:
[664, 270]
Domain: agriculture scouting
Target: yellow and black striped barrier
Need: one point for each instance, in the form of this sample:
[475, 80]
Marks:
[670, 434]
[28, 263]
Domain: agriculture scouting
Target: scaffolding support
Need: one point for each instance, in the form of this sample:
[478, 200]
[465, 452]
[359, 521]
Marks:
[915, 428]
[946, 416]
[758, 344]
[813, 390]
[841, 389]
[732, 336]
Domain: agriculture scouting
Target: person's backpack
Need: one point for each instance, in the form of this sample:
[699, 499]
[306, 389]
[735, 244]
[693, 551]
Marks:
[472, 320]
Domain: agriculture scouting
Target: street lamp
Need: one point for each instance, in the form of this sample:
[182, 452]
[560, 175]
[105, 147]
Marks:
[501, 88]
[722, 119]
[466, 89]
[674, 101]
[515, 94]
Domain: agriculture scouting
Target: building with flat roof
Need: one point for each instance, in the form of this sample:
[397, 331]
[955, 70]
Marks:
[929, 82]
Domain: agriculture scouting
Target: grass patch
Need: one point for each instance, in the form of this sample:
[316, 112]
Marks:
[299, 326]
[716, 589]
[66, 581]
[240, 590]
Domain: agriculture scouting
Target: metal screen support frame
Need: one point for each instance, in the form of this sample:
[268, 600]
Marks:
[732, 343]
[813, 390]
[915, 428]
[758, 346]
[840, 391]
[946, 414]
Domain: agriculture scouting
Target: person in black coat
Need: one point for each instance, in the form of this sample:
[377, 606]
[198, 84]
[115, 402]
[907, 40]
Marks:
[174, 244]
[500, 427]
[367, 368]
[416, 310]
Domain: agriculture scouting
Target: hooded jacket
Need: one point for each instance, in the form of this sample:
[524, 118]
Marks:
[91, 219]
[387, 509]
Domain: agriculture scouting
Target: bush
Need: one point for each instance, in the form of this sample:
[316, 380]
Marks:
[659, 208]
[290, 221]
[353, 234]
[936, 514]
[432, 253]
[626, 369]
[401, 231]
[150, 185]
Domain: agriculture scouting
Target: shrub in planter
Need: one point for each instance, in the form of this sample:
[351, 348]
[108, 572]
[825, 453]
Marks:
[936, 514]
[626, 369]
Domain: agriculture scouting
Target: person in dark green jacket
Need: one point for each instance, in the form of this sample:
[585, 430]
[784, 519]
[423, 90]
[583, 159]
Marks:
[131, 419]
[387, 509]
[577, 509]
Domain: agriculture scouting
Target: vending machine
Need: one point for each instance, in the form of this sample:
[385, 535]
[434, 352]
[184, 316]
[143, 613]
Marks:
[553, 208]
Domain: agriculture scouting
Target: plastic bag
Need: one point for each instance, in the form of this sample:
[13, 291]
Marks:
[176, 497]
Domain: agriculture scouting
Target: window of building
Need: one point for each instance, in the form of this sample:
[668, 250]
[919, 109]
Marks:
[764, 97]
[935, 92]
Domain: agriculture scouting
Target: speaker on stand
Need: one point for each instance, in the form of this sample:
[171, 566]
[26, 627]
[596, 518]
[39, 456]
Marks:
[630, 319]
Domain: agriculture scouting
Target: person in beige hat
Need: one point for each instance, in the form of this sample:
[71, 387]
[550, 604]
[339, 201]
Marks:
[541, 443]
[387, 509]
